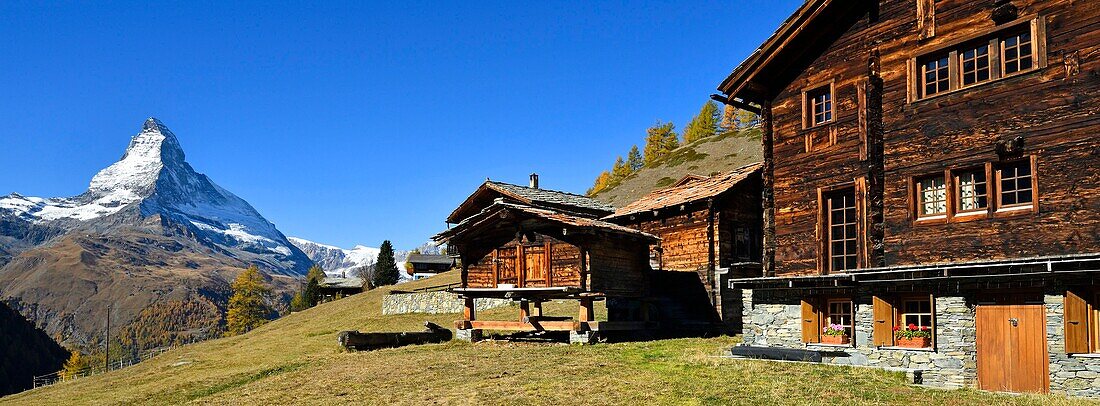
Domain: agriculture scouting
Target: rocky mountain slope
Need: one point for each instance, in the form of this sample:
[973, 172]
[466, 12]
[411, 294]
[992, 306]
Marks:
[704, 157]
[149, 230]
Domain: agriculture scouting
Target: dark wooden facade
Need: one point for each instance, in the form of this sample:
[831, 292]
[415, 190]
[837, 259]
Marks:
[884, 135]
[709, 226]
[516, 247]
[920, 153]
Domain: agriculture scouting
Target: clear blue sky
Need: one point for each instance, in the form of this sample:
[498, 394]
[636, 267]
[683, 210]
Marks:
[353, 122]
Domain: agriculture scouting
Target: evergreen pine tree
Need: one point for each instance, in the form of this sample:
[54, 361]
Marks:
[248, 306]
[634, 159]
[314, 277]
[385, 270]
[703, 125]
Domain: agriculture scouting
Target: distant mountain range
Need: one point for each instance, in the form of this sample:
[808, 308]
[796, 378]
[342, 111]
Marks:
[149, 230]
[337, 261]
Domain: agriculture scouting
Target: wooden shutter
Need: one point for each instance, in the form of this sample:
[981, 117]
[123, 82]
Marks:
[811, 321]
[883, 333]
[1077, 324]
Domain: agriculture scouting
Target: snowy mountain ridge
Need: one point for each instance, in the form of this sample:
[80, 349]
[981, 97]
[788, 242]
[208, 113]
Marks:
[337, 261]
[153, 178]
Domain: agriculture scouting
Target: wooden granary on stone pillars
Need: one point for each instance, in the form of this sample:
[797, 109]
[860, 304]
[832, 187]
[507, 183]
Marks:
[533, 246]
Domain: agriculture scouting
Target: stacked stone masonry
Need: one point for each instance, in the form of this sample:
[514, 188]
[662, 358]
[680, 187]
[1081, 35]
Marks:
[952, 363]
[434, 303]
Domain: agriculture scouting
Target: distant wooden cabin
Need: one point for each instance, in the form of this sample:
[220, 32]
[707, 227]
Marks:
[534, 245]
[425, 265]
[711, 226]
[333, 288]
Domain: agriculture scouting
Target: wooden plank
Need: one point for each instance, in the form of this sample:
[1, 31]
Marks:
[811, 321]
[883, 316]
[1077, 323]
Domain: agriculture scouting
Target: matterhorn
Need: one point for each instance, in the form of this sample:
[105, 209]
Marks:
[149, 232]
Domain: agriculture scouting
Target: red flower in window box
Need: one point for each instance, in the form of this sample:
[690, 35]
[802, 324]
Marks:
[913, 336]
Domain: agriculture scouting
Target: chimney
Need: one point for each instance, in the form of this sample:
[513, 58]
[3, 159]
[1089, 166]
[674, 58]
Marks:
[534, 181]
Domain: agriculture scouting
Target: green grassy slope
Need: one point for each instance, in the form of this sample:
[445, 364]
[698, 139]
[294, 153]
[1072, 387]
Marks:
[296, 359]
[704, 157]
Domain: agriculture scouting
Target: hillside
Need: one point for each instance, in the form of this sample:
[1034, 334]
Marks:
[296, 360]
[25, 352]
[704, 157]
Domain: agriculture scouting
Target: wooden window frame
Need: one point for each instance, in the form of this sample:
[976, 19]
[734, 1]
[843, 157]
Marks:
[1089, 297]
[807, 104]
[954, 211]
[815, 315]
[995, 35]
[990, 62]
[900, 313]
[825, 257]
[827, 315]
[1018, 208]
[919, 202]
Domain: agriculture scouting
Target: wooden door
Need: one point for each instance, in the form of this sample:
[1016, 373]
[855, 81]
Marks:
[507, 272]
[535, 269]
[1012, 348]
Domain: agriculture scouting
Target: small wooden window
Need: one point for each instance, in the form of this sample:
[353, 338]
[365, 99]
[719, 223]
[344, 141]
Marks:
[975, 66]
[931, 197]
[1015, 181]
[937, 75]
[916, 312]
[1017, 52]
[971, 191]
[984, 58]
[841, 220]
[819, 105]
[839, 311]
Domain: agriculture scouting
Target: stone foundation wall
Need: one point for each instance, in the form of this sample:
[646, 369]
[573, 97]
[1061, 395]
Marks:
[952, 364]
[1073, 375]
[776, 322]
[434, 303]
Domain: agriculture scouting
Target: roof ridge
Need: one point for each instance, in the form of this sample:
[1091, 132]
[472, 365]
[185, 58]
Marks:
[541, 189]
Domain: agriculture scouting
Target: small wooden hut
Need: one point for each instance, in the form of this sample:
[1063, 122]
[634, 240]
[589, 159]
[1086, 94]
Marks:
[532, 246]
[710, 226]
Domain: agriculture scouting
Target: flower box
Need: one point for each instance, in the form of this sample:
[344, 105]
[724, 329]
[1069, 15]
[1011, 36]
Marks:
[915, 342]
[837, 340]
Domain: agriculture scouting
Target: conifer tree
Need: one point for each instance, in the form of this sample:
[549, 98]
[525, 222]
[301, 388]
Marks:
[620, 170]
[385, 270]
[314, 277]
[634, 159]
[600, 184]
[704, 124]
[76, 364]
[248, 306]
[660, 140]
[299, 302]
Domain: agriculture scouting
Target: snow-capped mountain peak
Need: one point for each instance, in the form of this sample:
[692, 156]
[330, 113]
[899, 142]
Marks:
[153, 178]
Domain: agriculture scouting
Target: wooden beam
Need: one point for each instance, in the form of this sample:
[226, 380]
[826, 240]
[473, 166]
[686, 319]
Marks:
[585, 313]
[524, 310]
[768, 139]
[469, 309]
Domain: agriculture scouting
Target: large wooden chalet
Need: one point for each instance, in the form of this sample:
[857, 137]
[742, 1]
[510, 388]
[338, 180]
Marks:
[708, 225]
[534, 245]
[932, 164]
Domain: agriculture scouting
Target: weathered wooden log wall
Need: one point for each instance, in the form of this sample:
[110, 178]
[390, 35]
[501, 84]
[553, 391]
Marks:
[1055, 109]
[619, 268]
[564, 264]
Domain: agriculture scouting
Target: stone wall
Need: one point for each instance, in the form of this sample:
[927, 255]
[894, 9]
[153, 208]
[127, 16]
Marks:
[952, 363]
[1073, 375]
[433, 303]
